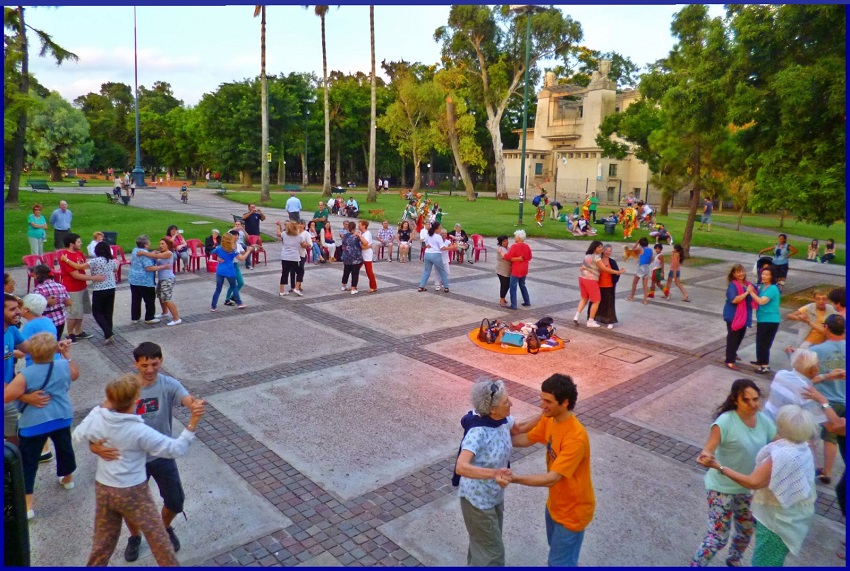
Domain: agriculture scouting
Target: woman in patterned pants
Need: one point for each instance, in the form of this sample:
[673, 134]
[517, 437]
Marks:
[121, 488]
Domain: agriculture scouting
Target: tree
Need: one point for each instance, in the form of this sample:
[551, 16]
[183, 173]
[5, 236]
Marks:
[690, 87]
[789, 106]
[371, 195]
[409, 119]
[156, 129]
[16, 40]
[321, 11]
[264, 104]
[58, 136]
[624, 71]
[489, 45]
[110, 118]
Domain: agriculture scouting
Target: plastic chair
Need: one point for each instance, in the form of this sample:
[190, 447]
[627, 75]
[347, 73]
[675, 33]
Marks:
[478, 246]
[118, 255]
[51, 260]
[259, 249]
[196, 252]
[31, 261]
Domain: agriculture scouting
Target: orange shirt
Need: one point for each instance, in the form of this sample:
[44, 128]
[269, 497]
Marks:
[571, 500]
[604, 277]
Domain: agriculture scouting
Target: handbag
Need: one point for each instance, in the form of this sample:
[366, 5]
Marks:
[533, 345]
[513, 339]
[23, 406]
[483, 329]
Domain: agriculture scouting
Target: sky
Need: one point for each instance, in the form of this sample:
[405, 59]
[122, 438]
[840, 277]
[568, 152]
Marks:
[196, 48]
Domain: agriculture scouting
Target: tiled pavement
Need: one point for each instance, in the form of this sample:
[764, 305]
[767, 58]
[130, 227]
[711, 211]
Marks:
[328, 529]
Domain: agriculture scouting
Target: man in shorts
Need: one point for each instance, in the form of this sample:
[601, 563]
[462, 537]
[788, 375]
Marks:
[159, 394]
[706, 214]
[831, 382]
[72, 264]
[812, 317]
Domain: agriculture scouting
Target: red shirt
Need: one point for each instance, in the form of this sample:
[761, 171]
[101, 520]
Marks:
[71, 284]
[519, 269]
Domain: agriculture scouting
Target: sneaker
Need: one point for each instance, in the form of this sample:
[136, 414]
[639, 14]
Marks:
[46, 457]
[109, 340]
[175, 322]
[287, 292]
[66, 485]
[344, 288]
[526, 305]
[212, 309]
[610, 326]
[241, 306]
[134, 320]
[160, 315]
[575, 319]
[299, 293]
[592, 323]
[353, 291]
[30, 514]
[84, 335]
[151, 321]
[72, 338]
[131, 552]
[173, 537]
[229, 302]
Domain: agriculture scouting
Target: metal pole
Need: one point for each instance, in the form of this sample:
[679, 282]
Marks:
[138, 172]
[522, 178]
[620, 193]
[306, 118]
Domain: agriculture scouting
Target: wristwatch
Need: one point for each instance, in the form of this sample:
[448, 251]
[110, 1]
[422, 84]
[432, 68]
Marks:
[825, 405]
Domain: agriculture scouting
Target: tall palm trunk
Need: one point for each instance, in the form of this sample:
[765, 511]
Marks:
[372, 196]
[326, 184]
[19, 139]
[264, 162]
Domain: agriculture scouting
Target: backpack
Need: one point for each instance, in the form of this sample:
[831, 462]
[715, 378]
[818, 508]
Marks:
[536, 200]
[545, 328]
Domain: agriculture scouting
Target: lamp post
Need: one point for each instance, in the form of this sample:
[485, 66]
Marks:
[307, 103]
[138, 172]
[528, 10]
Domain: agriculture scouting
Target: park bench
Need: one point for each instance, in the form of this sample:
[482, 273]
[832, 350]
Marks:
[214, 184]
[292, 187]
[38, 184]
[221, 190]
[111, 198]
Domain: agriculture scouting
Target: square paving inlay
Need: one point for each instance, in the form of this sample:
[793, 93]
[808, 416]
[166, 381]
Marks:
[359, 426]
[625, 355]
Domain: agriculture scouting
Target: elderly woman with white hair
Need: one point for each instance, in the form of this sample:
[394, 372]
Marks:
[519, 254]
[787, 387]
[33, 311]
[481, 470]
[784, 480]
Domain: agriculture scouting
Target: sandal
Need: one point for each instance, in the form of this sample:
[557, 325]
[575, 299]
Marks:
[687, 300]
[422, 289]
[825, 480]
[733, 367]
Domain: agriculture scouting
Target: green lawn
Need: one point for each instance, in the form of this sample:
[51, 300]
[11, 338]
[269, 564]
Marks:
[771, 222]
[491, 217]
[92, 213]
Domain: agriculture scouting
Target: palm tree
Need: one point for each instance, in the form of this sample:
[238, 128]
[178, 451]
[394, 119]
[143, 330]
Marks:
[264, 106]
[371, 196]
[13, 20]
[320, 11]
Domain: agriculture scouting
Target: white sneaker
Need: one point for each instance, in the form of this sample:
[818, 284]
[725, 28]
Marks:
[344, 288]
[353, 291]
[575, 319]
[68, 485]
[152, 321]
[30, 514]
[287, 292]
[610, 326]
[299, 293]
[173, 322]
[592, 323]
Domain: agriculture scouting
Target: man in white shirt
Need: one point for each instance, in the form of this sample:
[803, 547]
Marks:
[351, 208]
[293, 207]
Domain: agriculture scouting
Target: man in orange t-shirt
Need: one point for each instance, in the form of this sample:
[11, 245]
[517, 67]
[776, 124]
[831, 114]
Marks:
[571, 502]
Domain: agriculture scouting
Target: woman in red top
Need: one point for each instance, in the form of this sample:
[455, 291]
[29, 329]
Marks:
[519, 254]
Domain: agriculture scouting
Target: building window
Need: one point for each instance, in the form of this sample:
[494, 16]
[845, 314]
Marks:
[612, 170]
[587, 155]
[570, 155]
[616, 109]
[538, 169]
[581, 111]
[610, 194]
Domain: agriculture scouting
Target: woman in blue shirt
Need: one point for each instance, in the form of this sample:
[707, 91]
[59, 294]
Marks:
[52, 421]
[768, 317]
[227, 256]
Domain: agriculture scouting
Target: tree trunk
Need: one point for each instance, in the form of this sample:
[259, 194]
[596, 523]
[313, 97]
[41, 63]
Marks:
[692, 211]
[304, 178]
[782, 218]
[338, 166]
[499, 159]
[741, 215]
[403, 175]
[455, 143]
[326, 182]
[19, 138]
[245, 178]
[666, 200]
[55, 171]
[281, 171]
[372, 195]
[264, 104]
[417, 172]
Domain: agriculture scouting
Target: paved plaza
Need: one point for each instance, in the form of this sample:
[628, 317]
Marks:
[333, 420]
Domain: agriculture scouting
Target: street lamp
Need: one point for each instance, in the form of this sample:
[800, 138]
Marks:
[138, 172]
[307, 103]
[528, 10]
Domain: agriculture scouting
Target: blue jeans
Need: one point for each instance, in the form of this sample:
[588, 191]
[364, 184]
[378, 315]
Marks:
[219, 283]
[434, 260]
[522, 289]
[317, 253]
[239, 283]
[564, 545]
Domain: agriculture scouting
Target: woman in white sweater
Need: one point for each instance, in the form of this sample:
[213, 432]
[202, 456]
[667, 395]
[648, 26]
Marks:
[121, 487]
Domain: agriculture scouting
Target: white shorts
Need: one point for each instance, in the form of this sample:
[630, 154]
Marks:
[643, 271]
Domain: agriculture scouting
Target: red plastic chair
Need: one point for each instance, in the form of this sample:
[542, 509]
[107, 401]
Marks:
[259, 249]
[51, 260]
[478, 246]
[121, 259]
[31, 261]
[196, 252]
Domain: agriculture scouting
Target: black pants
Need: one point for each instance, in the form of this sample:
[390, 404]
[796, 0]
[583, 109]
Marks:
[765, 333]
[137, 295]
[299, 276]
[354, 271]
[733, 341]
[288, 273]
[59, 238]
[593, 216]
[60, 329]
[504, 285]
[102, 306]
[31, 447]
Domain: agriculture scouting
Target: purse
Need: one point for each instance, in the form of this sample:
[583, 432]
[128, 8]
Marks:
[533, 345]
[24, 406]
[483, 329]
[513, 339]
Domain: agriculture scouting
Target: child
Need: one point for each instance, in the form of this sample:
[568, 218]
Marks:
[642, 273]
[541, 212]
[657, 270]
[673, 277]
[814, 252]
[628, 223]
[439, 216]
